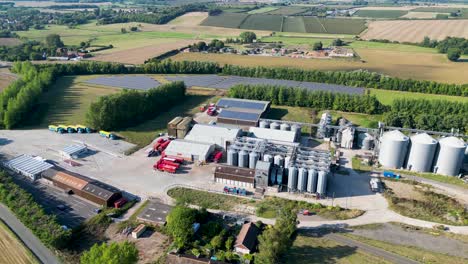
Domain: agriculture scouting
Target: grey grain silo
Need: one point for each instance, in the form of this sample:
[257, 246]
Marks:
[275, 125]
[287, 160]
[232, 157]
[273, 175]
[268, 158]
[421, 155]
[393, 149]
[243, 159]
[279, 160]
[292, 178]
[279, 175]
[449, 156]
[302, 180]
[253, 158]
[466, 155]
[264, 124]
[285, 127]
[312, 181]
[322, 182]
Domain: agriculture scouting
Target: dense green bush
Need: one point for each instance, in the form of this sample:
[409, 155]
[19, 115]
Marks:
[31, 214]
[130, 107]
[114, 253]
[289, 96]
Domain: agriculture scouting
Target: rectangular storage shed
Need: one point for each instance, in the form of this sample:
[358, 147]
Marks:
[183, 127]
[238, 117]
[190, 150]
[73, 151]
[260, 106]
[213, 134]
[28, 166]
[273, 134]
[101, 193]
[172, 126]
[236, 176]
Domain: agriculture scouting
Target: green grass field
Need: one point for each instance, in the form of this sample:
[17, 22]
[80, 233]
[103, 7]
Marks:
[288, 10]
[262, 10]
[308, 249]
[387, 96]
[262, 22]
[228, 20]
[380, 13]
[294, 24]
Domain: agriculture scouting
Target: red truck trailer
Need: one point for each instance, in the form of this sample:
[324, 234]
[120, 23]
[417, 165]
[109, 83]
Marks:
[165, 167]
[217, 156]
[120, 202]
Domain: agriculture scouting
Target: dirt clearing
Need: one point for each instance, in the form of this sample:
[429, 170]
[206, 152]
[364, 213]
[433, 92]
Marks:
[6, 78]
[9, 41]
[416, 30]
[189, 19]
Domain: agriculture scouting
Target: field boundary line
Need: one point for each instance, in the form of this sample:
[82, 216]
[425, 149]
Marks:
[324, 29]
[242, 21]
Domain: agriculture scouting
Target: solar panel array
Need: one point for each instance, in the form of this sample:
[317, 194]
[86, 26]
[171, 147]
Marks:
[127, 82]
[227, 103]
[239, 115]
[226, 82]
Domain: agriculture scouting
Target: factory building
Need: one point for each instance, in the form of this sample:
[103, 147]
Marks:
[87, 188]
[236, 176]
[217, 135]
[393, 149]
[28, 166]
[241, 112]
[449, 157]
[190, 150]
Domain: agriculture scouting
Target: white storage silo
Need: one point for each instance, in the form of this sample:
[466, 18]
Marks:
[312, 181]
[322, 183]
[275, 125]
[302, 180]
[232, 158]
[393, 149]
[253, 158]
[287, 159]
[292, 178]
[421, 155]
[264, 124]
[268, 158]
[285, 127]
[449, 156]
[243, 159]
[279, 160]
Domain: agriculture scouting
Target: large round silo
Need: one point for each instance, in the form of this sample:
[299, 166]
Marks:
[268, 158]
[279, 175]
[275, 125]
[292, 178]
[365, 141]
[232, 158]
[421, 155]
[279, 160]
[322, 182]
[264, 124]
[312, 181]
[285, 127]
[296, 128]
[450, 156]
[466, 155]
[393, 149]
[302, 180]
[273, 175]
[253, 158]
[243, 159]
[287, 159]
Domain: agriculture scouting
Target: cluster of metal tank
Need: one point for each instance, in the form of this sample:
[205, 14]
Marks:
[422, 153]
[242, 158]
[307, 180]
[325, 120]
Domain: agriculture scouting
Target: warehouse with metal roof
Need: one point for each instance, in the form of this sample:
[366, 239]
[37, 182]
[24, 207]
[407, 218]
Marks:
[241, 112]
[273, 134]
[217, 135]
[28, 166]
[73, 151]
[190, 150]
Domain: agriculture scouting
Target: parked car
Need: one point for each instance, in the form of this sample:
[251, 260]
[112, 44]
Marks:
[61, 207]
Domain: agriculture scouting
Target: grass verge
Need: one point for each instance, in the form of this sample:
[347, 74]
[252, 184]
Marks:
[435, 177]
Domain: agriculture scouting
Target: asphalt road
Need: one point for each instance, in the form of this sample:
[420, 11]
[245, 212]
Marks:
[393, 258]
[31, 241]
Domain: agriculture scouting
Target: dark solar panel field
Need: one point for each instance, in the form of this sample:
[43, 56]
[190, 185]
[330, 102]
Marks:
[238, 115]
[127, 82]
[226, 82]
[227, 103]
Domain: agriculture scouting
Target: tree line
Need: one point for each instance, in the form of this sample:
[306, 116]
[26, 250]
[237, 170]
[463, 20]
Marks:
[282, 95]
[452, 46]
[31, 214]
[131, 107]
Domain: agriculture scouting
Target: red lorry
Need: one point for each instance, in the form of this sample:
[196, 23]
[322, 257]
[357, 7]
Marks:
[217, 156]
[165, 167]
[120, 202]
[211, 111]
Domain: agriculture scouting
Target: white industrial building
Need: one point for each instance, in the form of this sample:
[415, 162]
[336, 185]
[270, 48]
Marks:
[273, 134]
[217, 135]
[73, 151]
[190, 150]
[28, 166]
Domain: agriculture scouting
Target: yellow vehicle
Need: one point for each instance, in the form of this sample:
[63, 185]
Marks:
[53, 128]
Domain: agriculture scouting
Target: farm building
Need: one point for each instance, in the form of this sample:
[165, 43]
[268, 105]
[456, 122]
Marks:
[246, 241]
[273, 134]
[73, 151]
[213, 134]
[28, 166]
[190, 150]
[241, 112]
[92, 190]
[235, 176]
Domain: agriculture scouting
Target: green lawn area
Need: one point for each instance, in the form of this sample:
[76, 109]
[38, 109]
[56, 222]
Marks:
[288, 113]
[265, 9]
[414, 253]
[308, 249]
[387, 96]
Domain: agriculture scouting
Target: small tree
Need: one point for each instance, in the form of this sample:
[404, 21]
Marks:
[179, 224]
[453, 54]
[317, 46]
[53, 41]
[229, 243]
[114, 253]
[217, 242]
[123, 30]
[338, 42]
[247, 37]
[133, 29]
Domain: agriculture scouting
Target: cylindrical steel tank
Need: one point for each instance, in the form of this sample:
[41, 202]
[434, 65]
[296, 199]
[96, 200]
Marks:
[302, 180]
[393, 149]
[275, 125]
[243, 159]
[292, 178]
[268, 158]
[312, 181]
[450, 156]
[253, 158]
[285, 127]
[365, 141]
[279, 175]
[273, 175]
[264, 124]
[339, 136]
[279, 160]
[466, 155]
[232, 158]
[322, 182]
[421, 155]
[287, 159]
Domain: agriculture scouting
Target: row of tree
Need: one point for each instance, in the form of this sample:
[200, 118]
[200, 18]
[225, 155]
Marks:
[454, 47]
[31, 214]
[281, 95]
[350, 78]
[131, 107]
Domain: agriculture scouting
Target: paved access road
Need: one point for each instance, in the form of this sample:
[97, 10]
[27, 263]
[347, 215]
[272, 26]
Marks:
[29, 239]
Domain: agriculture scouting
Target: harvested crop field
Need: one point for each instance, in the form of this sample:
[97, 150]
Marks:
[13, 251]
[189, 19]
[422, 15]
[6, 78]
[263, 22]
[416, 30]
[380, 13]
[9, 41]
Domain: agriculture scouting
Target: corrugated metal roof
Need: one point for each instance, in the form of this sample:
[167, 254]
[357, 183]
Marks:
[189, 147]
[212, 134]
[100, 189]
[243, 103]
[262, 165]
[239, 115]
[73, 149]
[273, 134]
[28, 165]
